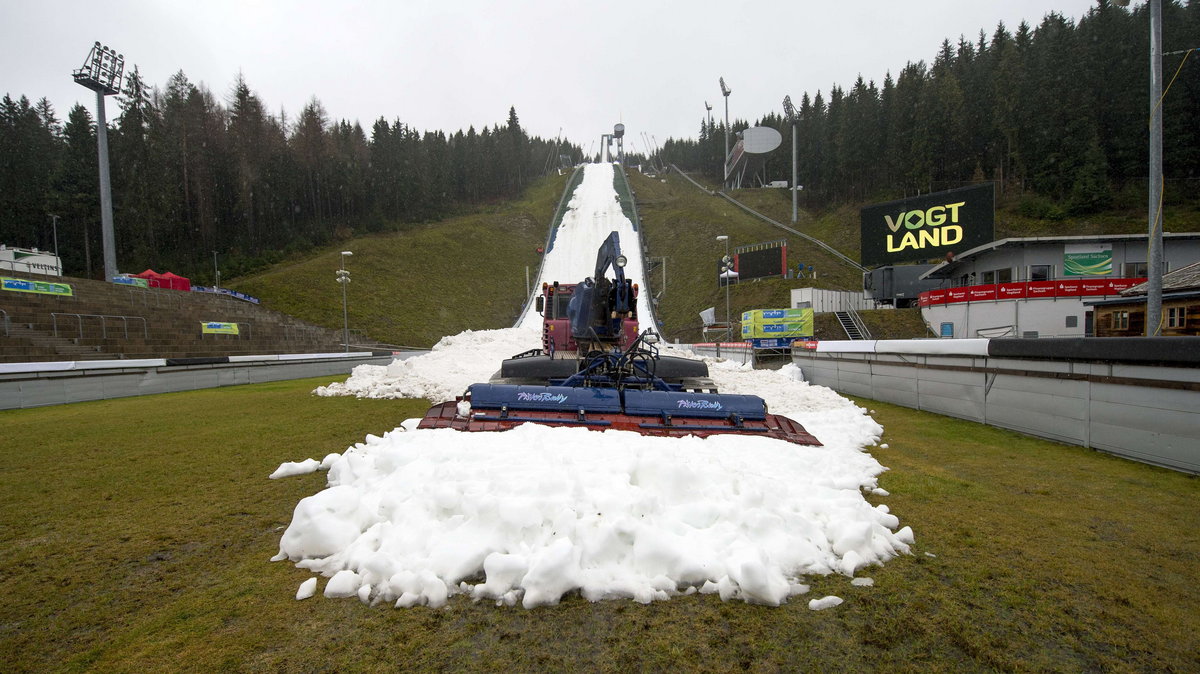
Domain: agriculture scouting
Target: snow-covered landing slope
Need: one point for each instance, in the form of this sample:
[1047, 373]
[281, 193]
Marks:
[593, 213]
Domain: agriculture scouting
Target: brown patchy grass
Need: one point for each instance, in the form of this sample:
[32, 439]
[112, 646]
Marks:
[135, 535]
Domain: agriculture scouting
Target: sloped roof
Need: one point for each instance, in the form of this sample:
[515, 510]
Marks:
[1182, 279]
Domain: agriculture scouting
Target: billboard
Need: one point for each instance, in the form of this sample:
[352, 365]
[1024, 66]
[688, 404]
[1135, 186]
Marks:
[32, 261]
[928, 226]
[777, 323]
[761, 260]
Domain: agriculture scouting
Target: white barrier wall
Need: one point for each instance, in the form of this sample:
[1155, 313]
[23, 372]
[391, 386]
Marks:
[56, 383]
[1144, 412]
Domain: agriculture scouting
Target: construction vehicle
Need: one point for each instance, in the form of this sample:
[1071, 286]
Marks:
[596, 370]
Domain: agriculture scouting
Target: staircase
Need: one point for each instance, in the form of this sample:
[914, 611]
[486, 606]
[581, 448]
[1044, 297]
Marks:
[105, 321]
[853, 324]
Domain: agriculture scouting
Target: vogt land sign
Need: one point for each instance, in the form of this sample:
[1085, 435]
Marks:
[928, 226]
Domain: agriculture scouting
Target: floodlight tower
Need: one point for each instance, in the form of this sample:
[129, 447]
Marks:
[725, 91]
[790, 111]
[709, 109]
[102, 72]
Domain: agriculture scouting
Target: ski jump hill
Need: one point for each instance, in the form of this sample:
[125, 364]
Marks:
[591, 208]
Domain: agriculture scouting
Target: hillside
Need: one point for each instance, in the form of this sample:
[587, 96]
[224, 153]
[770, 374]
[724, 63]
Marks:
[413, 287]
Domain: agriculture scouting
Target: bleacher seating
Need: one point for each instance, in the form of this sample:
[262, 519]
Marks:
[104, 321]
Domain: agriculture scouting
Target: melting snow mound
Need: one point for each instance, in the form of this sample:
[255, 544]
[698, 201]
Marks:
[534, 513]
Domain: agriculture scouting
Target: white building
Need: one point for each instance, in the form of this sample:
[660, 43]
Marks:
[1036, 286]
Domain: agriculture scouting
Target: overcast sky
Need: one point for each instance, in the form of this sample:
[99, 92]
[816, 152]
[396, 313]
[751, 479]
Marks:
[576, 66]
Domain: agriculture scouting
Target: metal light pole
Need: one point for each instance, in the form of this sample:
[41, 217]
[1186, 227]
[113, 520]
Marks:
[343, 277]
[54, 224]
[790, 111]
[216, 272]
[725, 265]
[102, 72]
[725, 91]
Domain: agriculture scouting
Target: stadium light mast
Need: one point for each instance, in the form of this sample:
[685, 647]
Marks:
[103, 72]
[790, 111]
[725, 91]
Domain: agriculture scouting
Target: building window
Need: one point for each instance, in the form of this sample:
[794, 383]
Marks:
[1135, 270]
[1120, 320]
[1176, 317]
[1040, 272]
[997, 276]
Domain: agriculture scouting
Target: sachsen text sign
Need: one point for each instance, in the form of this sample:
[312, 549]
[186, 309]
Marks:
[928, 226]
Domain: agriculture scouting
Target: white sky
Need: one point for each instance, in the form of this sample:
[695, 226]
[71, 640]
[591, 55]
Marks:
[575, 66]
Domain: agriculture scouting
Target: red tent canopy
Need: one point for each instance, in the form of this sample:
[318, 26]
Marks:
[154, 278]
[176, 282]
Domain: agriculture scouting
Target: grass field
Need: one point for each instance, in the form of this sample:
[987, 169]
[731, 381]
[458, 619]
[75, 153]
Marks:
[135, 535]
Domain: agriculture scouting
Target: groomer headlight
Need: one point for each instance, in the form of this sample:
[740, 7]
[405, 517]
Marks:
[621, 261]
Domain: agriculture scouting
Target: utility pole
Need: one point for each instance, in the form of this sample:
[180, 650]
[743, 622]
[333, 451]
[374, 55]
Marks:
[1155, 253]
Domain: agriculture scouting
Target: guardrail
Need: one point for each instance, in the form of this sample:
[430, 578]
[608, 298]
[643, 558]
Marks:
[103, 323]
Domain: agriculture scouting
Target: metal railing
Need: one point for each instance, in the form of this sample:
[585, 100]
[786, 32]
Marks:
[103, 323]
[828, 248]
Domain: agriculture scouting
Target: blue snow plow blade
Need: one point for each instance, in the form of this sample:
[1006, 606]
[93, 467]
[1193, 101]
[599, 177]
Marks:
[698, 405]
[565, 398]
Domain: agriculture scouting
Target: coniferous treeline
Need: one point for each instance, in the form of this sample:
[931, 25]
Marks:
[192, 174]
[1060, 110]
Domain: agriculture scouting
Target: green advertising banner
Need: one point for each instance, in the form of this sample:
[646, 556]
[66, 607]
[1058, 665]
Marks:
[21, 285]
[1087, 259]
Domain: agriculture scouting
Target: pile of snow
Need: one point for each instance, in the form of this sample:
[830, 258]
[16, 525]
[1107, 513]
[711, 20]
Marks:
[446, 371]
[529, 515]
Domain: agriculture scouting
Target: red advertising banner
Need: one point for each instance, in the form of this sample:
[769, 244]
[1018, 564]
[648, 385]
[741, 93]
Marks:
[1068, 288]
[981, 293]
[1035, 289]
[1119, 284]
[1031, 290]
[1010, 291]
[932, 297]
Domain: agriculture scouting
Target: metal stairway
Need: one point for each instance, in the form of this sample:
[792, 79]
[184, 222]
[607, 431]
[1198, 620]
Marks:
[853, 325]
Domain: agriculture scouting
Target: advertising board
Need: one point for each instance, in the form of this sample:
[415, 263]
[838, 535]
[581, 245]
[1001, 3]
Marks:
[777, 323]
[928, 226]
